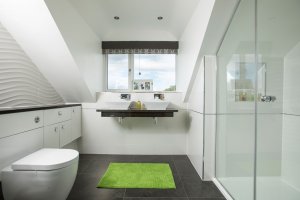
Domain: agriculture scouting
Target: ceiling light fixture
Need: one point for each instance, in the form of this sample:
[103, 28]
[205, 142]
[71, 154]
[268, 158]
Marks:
[116, 17]
[160, 18]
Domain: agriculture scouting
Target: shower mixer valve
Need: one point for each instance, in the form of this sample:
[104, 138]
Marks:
[268, 98]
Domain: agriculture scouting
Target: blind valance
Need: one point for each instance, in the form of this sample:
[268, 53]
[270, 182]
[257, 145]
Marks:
[140, 47]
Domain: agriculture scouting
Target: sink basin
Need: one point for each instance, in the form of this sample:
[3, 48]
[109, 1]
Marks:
[117, 105]
[156, 105]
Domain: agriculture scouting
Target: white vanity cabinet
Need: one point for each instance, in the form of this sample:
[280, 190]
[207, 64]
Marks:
[20, 134]
[62, 126]
[51, 136]
[53, 116]
[14, 123]
[65, 133]
[75, 122]
[25, 130]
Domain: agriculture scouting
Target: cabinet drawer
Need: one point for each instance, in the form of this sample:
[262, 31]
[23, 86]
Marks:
[54, 116]
[20, 122]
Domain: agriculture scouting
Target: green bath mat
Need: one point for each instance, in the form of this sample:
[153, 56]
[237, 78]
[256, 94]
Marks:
[138, 175]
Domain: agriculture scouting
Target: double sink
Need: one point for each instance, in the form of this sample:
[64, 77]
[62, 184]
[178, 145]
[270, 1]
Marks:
[147, 105]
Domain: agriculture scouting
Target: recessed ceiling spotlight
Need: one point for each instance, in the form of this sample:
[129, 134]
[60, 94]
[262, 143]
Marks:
[116, 17]
[160, 18]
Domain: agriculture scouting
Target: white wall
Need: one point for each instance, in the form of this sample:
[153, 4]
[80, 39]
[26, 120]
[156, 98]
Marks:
[83, 43]
[202, 116]
[195, 135]
[105, 135]
[21, 82]
[190, 44]
[139, 35]
[291, 119]
[33, 27]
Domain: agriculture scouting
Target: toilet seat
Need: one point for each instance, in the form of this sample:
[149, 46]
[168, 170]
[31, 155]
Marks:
[46, 160]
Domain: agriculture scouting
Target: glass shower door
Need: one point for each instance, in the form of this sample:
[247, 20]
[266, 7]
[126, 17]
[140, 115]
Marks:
[235, 139]
[278, 107]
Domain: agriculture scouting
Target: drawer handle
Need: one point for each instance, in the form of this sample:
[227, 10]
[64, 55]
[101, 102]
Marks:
[62, 127]
[55, 129]
[59, 113]
[37, 119]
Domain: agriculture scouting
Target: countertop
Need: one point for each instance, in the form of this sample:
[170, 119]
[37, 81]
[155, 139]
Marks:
[8, 110]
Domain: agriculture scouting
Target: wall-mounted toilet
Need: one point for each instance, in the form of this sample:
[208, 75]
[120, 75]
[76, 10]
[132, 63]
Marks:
[45, 174]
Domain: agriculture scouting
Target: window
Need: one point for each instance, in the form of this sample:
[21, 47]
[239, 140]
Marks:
[117, 72]
[141, 72]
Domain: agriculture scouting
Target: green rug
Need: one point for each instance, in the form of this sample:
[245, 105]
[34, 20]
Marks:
[138, 175]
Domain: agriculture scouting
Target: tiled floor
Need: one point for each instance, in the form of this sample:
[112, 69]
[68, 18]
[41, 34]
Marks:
[188, 184]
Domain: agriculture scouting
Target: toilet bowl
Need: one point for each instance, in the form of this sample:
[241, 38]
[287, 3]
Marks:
[45, 174]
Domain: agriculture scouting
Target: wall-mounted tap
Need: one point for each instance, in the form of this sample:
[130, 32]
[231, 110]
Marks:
[125, 97]
[159, 96]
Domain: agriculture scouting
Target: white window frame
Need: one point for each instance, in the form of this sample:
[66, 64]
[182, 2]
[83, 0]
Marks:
[131, 76]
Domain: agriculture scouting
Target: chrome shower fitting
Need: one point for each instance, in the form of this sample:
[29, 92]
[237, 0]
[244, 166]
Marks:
[268, 98]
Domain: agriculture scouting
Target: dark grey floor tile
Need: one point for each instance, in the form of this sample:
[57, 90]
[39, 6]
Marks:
[180, 157]
[100, 165]
[92, 167]
[1, 194]
[155, 198]
[89, 156]
[195, 187]
[207, 199]
[178, 192]
[185, 167]
[83, 164]
[85, 187]
[96, 167]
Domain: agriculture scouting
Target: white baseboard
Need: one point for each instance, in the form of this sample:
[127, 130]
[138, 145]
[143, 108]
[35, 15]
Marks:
[221, 188]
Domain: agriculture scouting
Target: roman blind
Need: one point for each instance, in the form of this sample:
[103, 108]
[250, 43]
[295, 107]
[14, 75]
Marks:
[140, 47]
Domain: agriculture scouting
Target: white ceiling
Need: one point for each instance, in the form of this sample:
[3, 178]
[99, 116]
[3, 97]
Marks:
[138, 18]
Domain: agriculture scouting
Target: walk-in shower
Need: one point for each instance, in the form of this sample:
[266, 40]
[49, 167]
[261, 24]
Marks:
[258, 106]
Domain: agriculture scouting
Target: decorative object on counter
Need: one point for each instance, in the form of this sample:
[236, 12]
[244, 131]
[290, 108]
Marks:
[143, 85]
[136, 105]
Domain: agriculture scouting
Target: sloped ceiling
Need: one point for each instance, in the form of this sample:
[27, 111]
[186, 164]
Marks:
[34, 29]
[138, 18]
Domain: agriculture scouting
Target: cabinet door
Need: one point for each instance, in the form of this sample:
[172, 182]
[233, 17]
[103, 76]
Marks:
[65, 133]
[51, 136]
[76, 122]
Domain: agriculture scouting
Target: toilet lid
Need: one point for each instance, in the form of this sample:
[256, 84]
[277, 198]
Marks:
[46, 159]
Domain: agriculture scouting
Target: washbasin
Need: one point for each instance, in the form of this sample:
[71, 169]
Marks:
[156, 105]
[116, 105]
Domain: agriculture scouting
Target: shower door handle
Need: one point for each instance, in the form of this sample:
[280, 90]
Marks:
[268, 98]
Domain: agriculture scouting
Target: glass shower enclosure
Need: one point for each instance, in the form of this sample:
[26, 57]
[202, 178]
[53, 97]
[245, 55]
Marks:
[258, 102]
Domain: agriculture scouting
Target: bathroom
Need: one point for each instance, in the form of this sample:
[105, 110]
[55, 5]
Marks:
[207, 89]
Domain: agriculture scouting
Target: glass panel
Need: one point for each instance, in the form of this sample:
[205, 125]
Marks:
[236, 104]
[117, 72]
[156, 69]
[278, 113]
